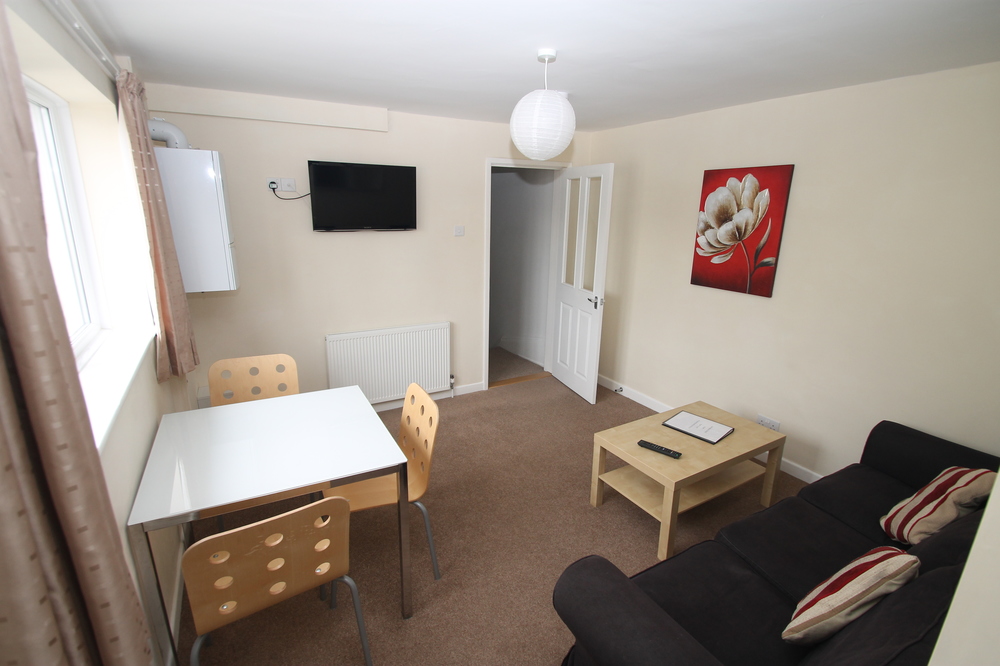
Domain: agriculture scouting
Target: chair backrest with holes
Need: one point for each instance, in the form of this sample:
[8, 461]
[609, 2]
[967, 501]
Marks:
[417, 428]
[252, 378]
[237, 573]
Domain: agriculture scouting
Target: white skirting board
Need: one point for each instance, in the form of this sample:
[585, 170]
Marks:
[787, 466]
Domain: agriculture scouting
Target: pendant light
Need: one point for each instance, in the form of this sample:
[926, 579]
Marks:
[543, 122]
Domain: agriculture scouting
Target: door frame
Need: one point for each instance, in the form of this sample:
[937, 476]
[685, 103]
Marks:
[487, 233]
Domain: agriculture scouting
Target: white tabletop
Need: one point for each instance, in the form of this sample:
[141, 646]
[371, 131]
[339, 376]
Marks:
[219, 455]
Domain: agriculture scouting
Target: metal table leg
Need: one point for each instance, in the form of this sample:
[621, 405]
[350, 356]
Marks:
[152, 597]
[404, 540]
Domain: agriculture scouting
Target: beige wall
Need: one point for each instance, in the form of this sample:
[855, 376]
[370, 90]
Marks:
[878, 311]
[123, 458]
[297, 285]
[885, 303]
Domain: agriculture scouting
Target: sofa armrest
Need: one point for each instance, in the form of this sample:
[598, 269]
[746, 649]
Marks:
[617, 624]
[914, 457]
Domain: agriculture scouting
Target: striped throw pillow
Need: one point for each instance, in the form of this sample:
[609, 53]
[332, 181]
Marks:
[849, 593]
[955, 492]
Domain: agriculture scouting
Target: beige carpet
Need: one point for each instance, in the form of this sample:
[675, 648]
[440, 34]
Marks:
[509, 503]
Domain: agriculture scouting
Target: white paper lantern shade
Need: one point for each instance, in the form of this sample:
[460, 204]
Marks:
[542, 124]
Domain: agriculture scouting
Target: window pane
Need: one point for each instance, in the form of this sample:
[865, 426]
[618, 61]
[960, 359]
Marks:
[572, 224]
[593, 209]
[61, 244]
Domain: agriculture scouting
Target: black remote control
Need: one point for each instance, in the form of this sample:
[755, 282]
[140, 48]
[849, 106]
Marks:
[659, 449]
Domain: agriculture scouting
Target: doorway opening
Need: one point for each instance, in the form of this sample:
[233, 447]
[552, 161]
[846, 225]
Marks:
[521, 200]
[545, 267]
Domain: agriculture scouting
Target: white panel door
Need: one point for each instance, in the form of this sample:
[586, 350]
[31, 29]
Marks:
[579, 290]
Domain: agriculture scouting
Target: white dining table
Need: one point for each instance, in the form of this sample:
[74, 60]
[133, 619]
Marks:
[217, 456]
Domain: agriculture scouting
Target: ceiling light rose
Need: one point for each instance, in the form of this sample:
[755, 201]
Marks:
[543, 122]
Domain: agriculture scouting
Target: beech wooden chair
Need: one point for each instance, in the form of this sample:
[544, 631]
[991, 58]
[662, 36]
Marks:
[417, 428]
[252, 378]
[233, 380]
[234, 574]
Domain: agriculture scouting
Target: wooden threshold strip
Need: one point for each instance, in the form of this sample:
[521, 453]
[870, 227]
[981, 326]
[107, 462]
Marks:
[515, 380]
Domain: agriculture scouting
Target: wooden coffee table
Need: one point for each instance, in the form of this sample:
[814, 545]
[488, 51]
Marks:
[664, 486]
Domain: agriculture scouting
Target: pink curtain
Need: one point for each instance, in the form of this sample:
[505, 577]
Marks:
[176, 353]
[66, 596]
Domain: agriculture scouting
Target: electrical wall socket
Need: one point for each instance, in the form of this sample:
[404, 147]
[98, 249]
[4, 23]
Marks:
[768, 423]
[281, 184]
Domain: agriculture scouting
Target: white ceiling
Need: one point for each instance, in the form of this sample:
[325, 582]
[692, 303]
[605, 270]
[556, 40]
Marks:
[621, 61]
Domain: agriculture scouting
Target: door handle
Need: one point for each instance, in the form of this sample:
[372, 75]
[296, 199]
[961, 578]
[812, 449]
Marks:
[594, 301]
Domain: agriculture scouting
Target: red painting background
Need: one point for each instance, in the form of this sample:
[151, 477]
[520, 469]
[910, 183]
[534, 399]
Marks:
[732, 275]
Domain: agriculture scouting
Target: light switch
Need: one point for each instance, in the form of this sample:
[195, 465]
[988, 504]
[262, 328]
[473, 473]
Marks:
[286, 184]
[459, 230]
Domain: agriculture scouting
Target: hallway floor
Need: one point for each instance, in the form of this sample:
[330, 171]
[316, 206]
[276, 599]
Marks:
[508, 368]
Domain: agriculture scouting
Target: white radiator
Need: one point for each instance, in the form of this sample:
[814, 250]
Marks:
[384, 362]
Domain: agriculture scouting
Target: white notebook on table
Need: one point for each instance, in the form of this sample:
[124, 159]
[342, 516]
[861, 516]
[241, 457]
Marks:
[698, 426]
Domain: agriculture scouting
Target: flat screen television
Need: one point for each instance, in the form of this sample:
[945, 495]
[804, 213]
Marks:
[354, 197]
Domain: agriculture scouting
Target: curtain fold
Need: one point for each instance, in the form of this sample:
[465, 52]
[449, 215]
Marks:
[66, 595]
[176, 353]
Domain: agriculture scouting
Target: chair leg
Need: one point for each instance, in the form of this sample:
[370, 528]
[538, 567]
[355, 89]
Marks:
[430, 537]
[347, 580]
[196, 649]
[333, 593]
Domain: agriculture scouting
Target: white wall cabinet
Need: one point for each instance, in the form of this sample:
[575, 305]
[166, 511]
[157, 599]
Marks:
[199, 218]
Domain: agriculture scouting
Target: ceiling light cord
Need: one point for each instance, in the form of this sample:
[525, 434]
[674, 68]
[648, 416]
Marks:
[546, 73]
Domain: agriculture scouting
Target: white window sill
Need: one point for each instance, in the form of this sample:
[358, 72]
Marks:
[108, 373]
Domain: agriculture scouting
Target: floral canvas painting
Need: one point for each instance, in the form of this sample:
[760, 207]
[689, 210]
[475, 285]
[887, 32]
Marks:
[739, 228]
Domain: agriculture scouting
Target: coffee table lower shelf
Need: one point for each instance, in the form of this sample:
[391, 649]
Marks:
[648, 493]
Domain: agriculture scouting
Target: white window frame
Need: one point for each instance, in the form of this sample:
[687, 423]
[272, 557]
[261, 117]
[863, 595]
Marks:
[74, 217]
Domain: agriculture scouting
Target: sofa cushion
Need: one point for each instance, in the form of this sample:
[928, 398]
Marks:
[724, 604]
[849, 594]
[955, 492]
[950, 546]
[900, 629]
[794, 545]
[615, 623]
[858, 496]
[577, 656]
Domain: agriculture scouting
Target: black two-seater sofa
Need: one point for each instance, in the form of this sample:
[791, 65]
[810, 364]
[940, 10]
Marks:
[726, 601]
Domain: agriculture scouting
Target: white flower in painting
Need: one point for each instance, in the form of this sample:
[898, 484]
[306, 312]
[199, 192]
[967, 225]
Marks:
[731, 214]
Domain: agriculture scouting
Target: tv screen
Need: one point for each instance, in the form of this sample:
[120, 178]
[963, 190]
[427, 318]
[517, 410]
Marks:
[352, 197]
